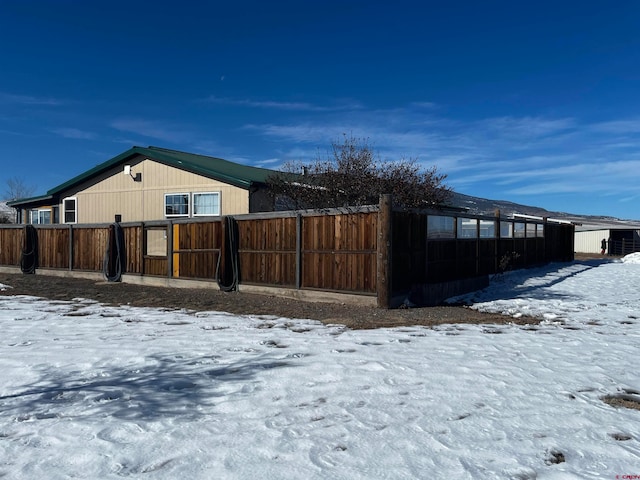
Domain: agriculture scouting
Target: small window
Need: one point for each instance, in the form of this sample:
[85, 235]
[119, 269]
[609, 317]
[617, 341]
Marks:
[69, 206]
[41, 216]
[540, 230]
[44, 217]
[206, 204]
[506, 230]
[531, 230]
[156, 243]
[176, 205]
[440, 227]
[518, 230]
[487, 229]
[467, 228]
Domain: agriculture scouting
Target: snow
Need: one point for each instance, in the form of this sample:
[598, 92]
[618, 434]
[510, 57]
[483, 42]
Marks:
[92, 391]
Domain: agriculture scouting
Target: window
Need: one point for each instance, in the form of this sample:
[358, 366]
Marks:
[467, 228]
[531, 230]
[540, 230]
[156, 243]
[206, 204]
[41, 217]
[487, 229]
[506, 230]
[69, 206]
[176, 205]
[440, 227]
[518, 230]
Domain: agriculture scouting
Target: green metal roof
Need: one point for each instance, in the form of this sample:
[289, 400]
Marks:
[242, 176]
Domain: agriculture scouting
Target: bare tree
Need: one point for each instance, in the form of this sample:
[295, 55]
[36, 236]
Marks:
[352, 175]
[17, 188]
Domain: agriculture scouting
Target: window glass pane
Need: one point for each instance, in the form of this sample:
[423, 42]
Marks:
[206, 204]
[176, 204]
[157, 243]
[440, 227]
[531, 230]
[44, 216]
[506, 229]
[487, 229]
[467, 228]
[540, 230]
[518, 230]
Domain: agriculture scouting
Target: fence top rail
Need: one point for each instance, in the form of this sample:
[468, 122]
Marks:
[492, 218]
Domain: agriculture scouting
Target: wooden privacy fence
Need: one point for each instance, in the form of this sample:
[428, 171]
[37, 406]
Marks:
[375, 251]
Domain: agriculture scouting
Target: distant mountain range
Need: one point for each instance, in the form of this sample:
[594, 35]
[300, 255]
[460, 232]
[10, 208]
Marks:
[484, 206]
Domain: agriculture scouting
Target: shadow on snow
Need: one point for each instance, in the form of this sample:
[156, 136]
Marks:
[173, 386]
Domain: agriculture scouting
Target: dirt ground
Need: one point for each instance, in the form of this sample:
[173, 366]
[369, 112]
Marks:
[355, 317]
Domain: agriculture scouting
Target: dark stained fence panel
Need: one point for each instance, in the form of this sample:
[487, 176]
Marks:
[156, 266]
[53, 247]
[267, 251]
[133, 249]
[466, 258]
[409, 233]
[487, 256]
[11, 245]
[339, 252]
[89, 246]
[198, 249]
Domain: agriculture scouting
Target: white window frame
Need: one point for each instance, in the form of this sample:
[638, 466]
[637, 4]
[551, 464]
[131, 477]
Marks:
[64, 210]
[193, 203]
[35, 216]
[174, 215]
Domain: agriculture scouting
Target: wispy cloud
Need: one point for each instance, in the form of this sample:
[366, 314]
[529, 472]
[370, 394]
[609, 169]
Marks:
[280, 105]
[8, 98]
[525, 127]
[496, 157]
[154, 129]
[425, 105]
[74, 133]
[618, 126]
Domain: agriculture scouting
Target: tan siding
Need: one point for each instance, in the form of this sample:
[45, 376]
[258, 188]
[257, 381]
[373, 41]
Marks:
[116, 193]
[589, 242]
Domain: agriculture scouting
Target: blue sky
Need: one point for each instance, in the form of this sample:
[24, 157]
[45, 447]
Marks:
[532, 102]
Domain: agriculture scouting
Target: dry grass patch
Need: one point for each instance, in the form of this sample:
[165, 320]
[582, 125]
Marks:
[625, 401]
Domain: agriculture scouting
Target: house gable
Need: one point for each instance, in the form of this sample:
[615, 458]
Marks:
[235, 174]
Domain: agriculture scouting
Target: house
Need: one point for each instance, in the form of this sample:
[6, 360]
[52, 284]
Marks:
[151, 183]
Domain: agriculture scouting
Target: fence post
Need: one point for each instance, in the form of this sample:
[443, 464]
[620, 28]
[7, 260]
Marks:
[298, 251]
[496, 245]
[383, 280]
[169, 230]
[70, 247]
[143, 246]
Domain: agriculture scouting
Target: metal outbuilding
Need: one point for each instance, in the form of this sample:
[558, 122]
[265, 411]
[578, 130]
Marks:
[621, 237]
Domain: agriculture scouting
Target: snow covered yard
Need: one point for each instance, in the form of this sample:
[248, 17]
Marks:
[90, 391]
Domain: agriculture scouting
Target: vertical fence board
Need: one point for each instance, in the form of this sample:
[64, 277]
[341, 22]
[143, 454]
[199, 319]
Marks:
[11, 245]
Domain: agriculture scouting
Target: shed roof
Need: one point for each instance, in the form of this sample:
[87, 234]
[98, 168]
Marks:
[238, 175]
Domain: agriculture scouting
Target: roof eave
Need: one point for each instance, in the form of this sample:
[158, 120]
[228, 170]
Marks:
[95, 170]
[26, 201]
